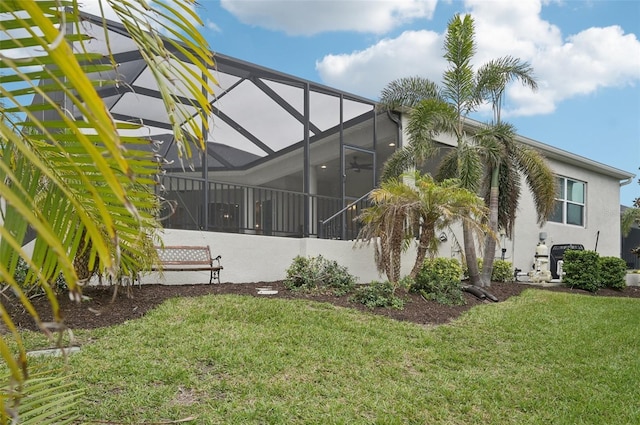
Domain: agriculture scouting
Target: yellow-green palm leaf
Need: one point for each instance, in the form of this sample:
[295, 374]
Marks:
[67, 171]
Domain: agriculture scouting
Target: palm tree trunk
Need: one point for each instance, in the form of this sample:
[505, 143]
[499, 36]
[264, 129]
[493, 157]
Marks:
[470, 254]
[423, 244]
[490, 241]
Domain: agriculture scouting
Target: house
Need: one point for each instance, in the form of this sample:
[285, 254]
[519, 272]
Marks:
[289, 164]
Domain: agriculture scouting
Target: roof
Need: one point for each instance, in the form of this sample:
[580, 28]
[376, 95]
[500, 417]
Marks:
[567, 157]
[245, 133]
[242, 133]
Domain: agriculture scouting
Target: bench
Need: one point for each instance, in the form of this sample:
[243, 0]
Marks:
[188, 259]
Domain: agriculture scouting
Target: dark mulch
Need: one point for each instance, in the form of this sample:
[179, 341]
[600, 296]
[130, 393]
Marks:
[99, 311]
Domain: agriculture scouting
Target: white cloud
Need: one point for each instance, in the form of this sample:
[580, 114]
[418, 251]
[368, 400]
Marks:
[212, 25]
[589, 60]
[307, 17]
[577, 65]
[367, 71]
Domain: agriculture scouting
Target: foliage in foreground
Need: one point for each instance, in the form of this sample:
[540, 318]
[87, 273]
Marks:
[46, 398]
[543, 357]
[68, 171]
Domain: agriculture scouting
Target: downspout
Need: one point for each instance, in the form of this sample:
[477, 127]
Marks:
[627, 181]
[398, 122]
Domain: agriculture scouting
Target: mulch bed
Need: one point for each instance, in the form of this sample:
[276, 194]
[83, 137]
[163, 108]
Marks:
[99, 310]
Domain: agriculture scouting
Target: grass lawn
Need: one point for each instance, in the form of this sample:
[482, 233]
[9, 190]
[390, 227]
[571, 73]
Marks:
[544, 357]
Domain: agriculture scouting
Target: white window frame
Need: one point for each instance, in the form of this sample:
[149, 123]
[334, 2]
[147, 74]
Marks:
[566, 202]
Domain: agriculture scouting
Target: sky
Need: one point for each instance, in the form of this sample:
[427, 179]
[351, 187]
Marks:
[585, 56]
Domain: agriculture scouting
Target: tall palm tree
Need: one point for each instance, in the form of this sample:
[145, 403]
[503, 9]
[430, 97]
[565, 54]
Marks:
[399, 210]
[435, 110]
[507, 159]
[88, 185]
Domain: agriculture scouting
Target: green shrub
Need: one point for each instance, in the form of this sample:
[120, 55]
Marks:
[406, 282]
[612, 272]
[502, 271]
[20, 276]
[440, 269]
[378, 294]
[22, 269]
[318, 273]
[439, 279]
[582, 270]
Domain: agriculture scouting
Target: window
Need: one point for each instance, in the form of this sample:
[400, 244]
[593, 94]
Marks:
[569, 203]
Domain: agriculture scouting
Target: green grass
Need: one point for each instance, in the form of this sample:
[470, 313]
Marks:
[540, 358]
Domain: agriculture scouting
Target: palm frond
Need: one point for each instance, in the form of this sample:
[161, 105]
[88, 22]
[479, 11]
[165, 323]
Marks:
[429, 118]
[539, 178]
[493, 77]
[459, 42]
[47, 398]
[65, 170]
[408, 92]
[398, 163]
[470, 168]
[459, 78]
[179, 20]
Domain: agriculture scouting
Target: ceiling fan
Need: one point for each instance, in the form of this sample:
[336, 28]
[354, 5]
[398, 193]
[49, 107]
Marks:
[356, 166]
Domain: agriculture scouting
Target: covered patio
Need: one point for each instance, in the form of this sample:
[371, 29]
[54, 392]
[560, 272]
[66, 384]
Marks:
[284, 156]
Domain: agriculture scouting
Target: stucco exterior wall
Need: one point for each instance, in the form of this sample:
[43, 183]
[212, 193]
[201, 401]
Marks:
[252, 258]
[602, 219]
[602, 222]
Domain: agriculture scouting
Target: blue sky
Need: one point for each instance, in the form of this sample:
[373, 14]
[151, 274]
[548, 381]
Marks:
[585, 54]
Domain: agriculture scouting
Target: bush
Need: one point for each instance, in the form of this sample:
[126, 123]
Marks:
[406, 282]
[502, 271]
[582, 270]
[439, 279]
[378, 294]
[317, 273]
[22, 269]
[612, 272]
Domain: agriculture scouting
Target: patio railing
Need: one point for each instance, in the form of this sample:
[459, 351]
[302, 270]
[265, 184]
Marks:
[235, 208]
[343, 224]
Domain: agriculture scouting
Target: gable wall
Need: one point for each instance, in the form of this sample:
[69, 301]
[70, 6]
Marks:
[602, 219]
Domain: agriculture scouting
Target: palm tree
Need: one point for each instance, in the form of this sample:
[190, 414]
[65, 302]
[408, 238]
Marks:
[88, 186]
[435, 110]
[506, 159]
[400, 210]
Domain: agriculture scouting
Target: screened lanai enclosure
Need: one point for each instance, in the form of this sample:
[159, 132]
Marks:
[284, 156]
